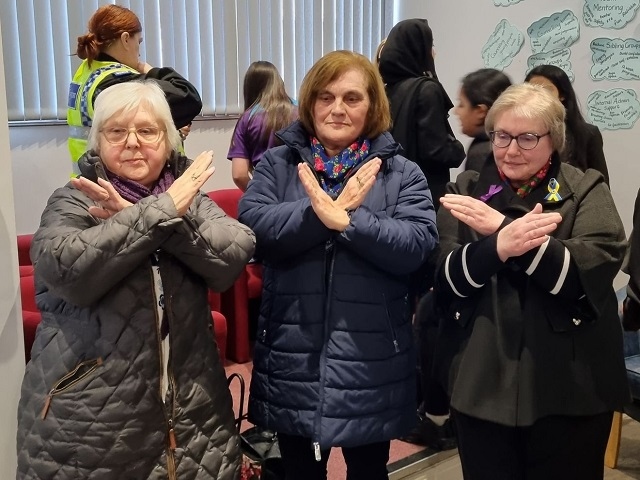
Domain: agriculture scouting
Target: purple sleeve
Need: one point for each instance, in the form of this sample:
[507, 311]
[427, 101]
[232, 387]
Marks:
[238, 148]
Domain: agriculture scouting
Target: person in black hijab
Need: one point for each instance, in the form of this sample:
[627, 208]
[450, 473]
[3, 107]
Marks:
[419, 103]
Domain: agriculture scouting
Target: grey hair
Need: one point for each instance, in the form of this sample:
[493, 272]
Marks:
[127, 97]
[530, 101]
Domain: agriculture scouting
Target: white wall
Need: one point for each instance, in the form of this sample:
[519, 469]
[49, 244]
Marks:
[11, 339]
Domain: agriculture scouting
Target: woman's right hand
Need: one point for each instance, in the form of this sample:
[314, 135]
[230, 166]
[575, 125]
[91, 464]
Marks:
[187, 186]
[526, 233]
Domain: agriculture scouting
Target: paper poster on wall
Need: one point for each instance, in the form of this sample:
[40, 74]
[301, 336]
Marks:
[502, 46]
[555, 32]
[609, 13]
[559, 58]
[613, 109]
[505, 3]
[615, 59]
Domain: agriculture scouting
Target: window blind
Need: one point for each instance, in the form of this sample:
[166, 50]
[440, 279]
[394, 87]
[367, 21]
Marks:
[209, 42]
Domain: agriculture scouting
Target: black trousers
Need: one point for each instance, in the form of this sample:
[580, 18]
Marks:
[434, 398]
[365, 462]
[555, 447]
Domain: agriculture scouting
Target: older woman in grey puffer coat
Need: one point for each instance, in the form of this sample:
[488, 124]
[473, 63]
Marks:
[125, 381]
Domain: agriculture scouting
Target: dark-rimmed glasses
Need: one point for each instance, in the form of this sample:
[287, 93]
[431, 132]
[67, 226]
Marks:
[119, 135]
[526, 141]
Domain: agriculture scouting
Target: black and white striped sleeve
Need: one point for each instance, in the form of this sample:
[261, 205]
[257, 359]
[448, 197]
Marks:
[552, 268]
[470, 266]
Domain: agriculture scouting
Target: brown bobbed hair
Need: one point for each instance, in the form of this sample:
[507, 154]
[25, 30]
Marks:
[331, 67]
[526, 100]
[105, 26]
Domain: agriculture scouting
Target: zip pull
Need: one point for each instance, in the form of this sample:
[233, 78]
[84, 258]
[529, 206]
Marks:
[47, 404]
[172, 436]
[316, 451]
[395, 345]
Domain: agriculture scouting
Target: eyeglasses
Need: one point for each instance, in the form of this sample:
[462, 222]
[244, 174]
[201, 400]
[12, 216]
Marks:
[526, 141]
[119, 135]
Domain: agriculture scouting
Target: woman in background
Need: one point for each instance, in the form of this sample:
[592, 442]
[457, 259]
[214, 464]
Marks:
[110, 51]
[419, 104]
[583, 147]
[267, 109]
[477, 93]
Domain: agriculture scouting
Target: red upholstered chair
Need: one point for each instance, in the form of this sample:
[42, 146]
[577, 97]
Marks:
[30, 314]
[248, 286]
[24, 244]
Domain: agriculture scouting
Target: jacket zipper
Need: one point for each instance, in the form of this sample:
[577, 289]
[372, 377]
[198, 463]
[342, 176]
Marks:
[171, 437]
[330, 255]
[394, 336]
[82, 370]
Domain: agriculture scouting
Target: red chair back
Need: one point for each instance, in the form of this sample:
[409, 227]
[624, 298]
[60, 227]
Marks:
[227, 199]
[24, 244]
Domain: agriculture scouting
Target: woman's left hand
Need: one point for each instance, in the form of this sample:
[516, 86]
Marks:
[473, 212]
[103, 193]
[328, 211]
[359, 185]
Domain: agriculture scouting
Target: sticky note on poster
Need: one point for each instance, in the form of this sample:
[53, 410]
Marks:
[559, 58]
[615, 59]
[613, 109]
[502, 46]
[555, 32]
[505, 3]
[609, 13]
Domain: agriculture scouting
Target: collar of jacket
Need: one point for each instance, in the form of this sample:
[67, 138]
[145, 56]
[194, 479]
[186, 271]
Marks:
[297, 138]
[91, 166]
[507, 199]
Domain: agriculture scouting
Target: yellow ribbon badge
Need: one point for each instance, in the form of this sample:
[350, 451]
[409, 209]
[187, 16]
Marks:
[553, 188]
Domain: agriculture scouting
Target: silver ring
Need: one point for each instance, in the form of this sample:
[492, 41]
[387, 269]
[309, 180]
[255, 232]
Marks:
[194, 177]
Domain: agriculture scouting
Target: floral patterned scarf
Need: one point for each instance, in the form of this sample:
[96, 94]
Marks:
[530, 184]
[333, 170]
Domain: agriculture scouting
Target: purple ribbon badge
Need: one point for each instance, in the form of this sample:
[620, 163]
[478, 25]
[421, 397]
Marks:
[493, 189]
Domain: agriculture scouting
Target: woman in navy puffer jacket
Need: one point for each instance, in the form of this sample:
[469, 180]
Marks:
[341, 221]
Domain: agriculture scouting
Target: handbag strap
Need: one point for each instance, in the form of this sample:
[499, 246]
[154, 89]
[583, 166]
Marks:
[241, 415]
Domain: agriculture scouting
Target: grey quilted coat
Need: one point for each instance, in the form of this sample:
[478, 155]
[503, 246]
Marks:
[91, 403]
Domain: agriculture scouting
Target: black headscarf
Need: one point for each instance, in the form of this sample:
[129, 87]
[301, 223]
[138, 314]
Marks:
[408, 52]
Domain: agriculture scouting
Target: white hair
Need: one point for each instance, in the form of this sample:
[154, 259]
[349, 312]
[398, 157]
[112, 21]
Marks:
[127, 97]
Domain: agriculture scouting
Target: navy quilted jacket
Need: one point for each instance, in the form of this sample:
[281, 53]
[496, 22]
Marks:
[333, 361]
[91, 403]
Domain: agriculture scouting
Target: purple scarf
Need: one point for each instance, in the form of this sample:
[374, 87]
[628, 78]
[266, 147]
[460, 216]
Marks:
[133, 191]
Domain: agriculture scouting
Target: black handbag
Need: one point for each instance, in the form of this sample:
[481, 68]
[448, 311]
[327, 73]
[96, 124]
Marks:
[259, 446]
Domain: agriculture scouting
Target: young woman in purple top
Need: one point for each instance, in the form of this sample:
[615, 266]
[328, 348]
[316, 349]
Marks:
[268, 109]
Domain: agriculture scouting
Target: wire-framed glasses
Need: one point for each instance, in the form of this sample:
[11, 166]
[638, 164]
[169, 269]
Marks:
[119, 135]
[526, 141]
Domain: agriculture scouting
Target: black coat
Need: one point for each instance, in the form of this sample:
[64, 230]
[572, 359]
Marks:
[511, 351]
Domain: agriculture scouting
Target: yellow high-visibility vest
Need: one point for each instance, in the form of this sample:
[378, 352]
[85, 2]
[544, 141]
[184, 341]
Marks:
[80, 102]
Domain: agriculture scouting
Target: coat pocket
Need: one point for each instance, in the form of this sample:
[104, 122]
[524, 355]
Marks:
[68, 381]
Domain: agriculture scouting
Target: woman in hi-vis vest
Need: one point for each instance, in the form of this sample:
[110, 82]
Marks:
[111, 54]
